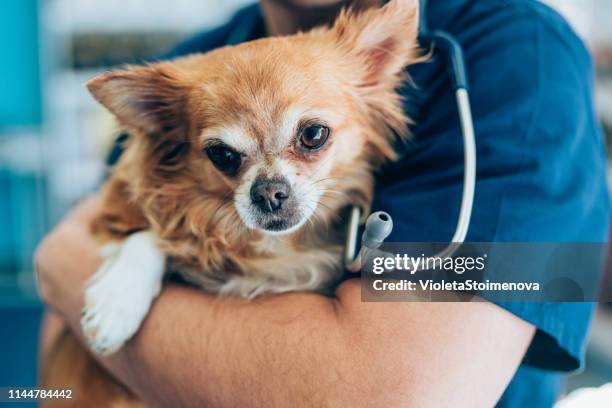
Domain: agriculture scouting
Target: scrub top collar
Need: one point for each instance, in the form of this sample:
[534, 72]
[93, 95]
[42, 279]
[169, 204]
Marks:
[248, 23]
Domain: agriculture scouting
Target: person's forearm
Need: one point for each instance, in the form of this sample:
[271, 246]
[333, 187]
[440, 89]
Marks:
[307, 350]
[296, 349]
[196, 347]
[197, 350]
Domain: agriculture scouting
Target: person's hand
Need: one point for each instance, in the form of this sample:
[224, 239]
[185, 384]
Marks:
[66, 259]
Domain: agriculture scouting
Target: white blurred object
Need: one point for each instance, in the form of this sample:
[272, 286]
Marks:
[590, 18]
[588, 398]
[602, 29]
[21, 152]
[71, 180]
[580, 14]
[604, 99]
[140, 15]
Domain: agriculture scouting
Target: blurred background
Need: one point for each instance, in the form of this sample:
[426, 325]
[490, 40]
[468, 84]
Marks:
[53, 136]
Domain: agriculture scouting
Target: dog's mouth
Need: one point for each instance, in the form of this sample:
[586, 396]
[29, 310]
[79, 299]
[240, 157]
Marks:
[275, 206]
[277, 225]
[281, 222]
[285, 222]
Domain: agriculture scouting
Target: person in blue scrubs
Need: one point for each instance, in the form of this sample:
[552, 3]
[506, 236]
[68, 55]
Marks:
[541, 157]
[541, 161]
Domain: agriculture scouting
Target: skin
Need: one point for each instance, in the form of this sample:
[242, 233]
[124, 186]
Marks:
[297, 349]
[284, 17]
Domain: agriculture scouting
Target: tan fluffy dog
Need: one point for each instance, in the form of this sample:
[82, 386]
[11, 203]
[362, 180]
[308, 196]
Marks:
[237, 168]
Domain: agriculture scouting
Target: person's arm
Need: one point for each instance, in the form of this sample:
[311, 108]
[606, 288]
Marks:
[297, 349]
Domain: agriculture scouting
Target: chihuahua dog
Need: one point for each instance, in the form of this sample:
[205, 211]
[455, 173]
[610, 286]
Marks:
[239, 164]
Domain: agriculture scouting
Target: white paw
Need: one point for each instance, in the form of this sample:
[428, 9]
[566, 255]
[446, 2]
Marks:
[119, 295]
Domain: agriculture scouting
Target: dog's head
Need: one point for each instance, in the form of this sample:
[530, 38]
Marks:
[282, 126]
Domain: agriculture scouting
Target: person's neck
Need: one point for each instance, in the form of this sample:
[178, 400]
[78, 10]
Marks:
[284, 18]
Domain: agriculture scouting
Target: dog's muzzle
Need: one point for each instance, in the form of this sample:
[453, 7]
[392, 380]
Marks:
[274, 203]
[268, 195]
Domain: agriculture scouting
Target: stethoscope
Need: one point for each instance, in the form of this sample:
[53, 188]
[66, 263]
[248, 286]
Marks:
[379, 225]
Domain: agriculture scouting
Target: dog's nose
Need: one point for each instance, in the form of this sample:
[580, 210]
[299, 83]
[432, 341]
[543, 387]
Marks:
[269, 194]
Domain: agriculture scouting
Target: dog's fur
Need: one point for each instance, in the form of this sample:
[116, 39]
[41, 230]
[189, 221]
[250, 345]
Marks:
[166, 199]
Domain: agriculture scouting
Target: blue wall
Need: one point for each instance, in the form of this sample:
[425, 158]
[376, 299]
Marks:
[20, 106]
[20, 95]
[19, 342]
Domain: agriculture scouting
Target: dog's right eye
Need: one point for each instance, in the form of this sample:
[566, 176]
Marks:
[225, 159]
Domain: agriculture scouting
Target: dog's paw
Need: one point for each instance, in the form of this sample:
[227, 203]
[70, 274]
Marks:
[112, 312]
[119, 295]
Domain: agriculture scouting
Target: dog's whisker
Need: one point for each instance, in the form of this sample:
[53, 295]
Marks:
[336, 195]
[334, 178]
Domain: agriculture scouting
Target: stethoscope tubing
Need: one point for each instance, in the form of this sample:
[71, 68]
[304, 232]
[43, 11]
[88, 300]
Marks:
[446, 44]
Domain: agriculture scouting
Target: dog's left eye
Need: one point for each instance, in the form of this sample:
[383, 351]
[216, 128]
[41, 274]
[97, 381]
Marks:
[313, 137]
[224, 158]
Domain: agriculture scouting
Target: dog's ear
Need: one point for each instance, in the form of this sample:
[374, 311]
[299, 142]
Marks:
[148, 98]
[384, 39]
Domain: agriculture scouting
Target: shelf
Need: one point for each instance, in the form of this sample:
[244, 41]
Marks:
[70, 16]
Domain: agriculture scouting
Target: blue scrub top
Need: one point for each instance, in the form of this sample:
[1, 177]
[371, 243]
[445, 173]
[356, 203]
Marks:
[541, 161]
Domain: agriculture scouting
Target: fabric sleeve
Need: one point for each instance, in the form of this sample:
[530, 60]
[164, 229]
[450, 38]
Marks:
[541, 162]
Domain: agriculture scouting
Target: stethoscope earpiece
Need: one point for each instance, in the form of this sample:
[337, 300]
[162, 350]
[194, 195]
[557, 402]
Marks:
[377, 228]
